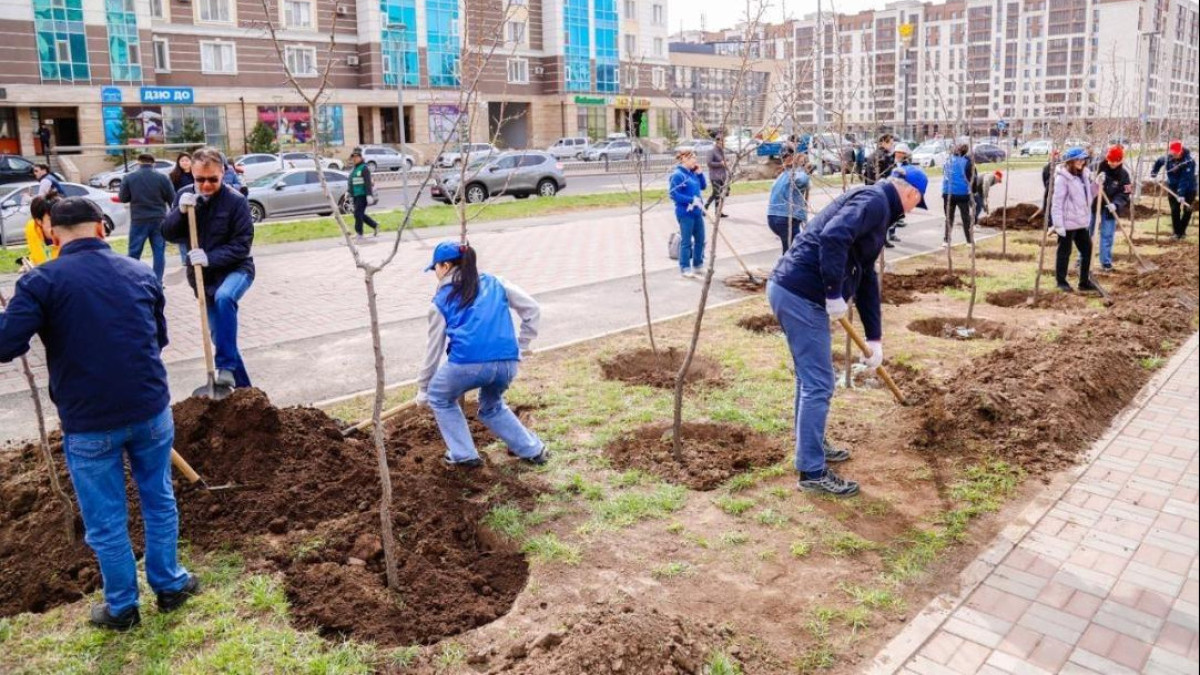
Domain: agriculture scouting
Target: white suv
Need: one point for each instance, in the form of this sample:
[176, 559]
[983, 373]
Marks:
[574, 147]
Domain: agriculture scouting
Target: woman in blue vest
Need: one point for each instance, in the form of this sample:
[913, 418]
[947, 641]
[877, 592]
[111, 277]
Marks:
[957, 177]
[361, 187]
[686, 189]
[469, 322]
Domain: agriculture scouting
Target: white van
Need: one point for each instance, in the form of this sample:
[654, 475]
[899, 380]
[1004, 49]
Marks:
[573, 147]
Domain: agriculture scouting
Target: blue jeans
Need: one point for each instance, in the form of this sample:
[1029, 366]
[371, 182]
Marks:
[152, 230]
[1108, 232]
[96, 462]
[806, 327]
[787, 229]
[492, 379]
[223, 324]
[691, 239]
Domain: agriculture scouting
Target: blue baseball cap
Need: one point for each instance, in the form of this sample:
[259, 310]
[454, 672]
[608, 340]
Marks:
[445, 252]
[1074, 154]
[914, 176]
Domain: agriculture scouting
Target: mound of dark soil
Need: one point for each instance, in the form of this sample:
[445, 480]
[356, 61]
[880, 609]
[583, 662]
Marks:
[712, 453]
[1048, 298]
[927, 280]
[1015, 217]
[760, 323]
[958, 328]
[644, 366]
[1007, 257]
[744, 283]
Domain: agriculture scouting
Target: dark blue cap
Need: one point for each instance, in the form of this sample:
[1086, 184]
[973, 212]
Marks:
[445, 252]
[914, 176]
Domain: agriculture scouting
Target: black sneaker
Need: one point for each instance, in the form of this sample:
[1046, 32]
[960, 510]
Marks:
[834, 454]
[830, 484]
[473, 463]
[102, 618]
[1089, 286]
[894, 238]
[888, 244]
[169, 602]
[1065, 287]
[539, 459]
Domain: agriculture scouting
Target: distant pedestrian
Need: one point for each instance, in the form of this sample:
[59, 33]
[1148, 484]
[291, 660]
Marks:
[1118, 187]
[470, 322]
[879, 164]
[787, 207]
[901, 157]
[361, 187]
[1071, 213]
[181, 175]
[39, 235]
[100, 317]
[981, 188]
[149, 195]
[44, 137]
[1180, 169]
[957, 176]
[686, 189]
[46, 180]
[718, 177]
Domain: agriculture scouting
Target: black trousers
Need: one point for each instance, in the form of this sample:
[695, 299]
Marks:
[963, 204]
[1082, 241]
[718, 194]
[1181, 213]
[360, 215]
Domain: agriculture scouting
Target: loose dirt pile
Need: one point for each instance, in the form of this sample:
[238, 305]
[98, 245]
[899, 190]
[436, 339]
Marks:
[1140, 212]
[1015, 217]
[1039, 404]
[712, 453]
[760, 323]
[1048, 298]
[1006, 257]
[900, 289]
[958, 328]
[644, 366]
[744, 283]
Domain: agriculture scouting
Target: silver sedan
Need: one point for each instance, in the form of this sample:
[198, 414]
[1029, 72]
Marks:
[297, 192]
[15, 199]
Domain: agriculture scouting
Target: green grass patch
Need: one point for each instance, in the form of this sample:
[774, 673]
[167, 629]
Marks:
[872, 598]
[403, 657]
[629, 508]
[735, 539]
[846, 543]
[816, 658]
[672, 570]
[720, 663]
[578, 485]
[506, 519]
[1151, 362]
[549, 548]
[771, 518]
[800, 549]
[734, 506]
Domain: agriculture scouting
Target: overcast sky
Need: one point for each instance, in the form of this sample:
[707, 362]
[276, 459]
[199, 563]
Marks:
[719, 14]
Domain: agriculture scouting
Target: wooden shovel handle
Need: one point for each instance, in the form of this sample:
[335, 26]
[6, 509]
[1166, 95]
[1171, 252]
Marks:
[202, 302]
[386, 415]
[866, 350]
[186, 469]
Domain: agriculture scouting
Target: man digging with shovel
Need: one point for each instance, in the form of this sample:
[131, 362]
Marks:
[225, 233]
[100, 316]
[833, 260]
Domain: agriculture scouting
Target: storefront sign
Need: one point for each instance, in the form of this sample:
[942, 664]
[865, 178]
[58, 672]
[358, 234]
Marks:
[591, 100]
[168, 95]
[446, 123]
[631, 102]
[110, 95]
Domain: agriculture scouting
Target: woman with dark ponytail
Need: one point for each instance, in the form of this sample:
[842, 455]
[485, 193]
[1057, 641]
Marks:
[469, 322]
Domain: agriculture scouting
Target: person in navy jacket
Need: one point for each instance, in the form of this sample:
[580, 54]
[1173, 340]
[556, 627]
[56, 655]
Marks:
[832, 261]
[99, 315]
[470, 324]
[686, 189]
[226, 233]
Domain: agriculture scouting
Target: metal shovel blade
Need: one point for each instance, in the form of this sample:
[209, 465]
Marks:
[213, 390]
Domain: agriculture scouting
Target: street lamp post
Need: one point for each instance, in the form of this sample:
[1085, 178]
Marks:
[906, 33]
[400, 73]
[279, 129]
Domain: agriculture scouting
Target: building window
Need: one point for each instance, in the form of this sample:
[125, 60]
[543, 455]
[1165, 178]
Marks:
[218, 58]
[658, 78]
[516, 32]
[577, 41]
[441, 20]
[660, 15]
[214, 11]
[301, 61]
[162, 56]
[298, 14]
[630, 10]
[607, 54]
[211, 120]
[658, 46]
[398, 41]
[124, 43]
[630, 45]
[518, 71]
[629, 76]
[157, 9]
[592, 122]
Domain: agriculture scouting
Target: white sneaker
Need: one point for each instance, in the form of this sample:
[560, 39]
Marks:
[687, 274]
[945, 244]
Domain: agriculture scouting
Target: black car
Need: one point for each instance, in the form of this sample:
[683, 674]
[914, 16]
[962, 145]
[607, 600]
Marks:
[987, 153]
[14, 169]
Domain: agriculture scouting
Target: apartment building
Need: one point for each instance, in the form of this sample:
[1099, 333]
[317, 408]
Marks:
[103, 72]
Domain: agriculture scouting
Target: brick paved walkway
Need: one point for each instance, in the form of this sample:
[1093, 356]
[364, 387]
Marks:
[1106, 580]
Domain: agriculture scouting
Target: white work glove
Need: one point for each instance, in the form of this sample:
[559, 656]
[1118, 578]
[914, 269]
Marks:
[697, 203]
[1060, 231]
[836, 308]
[422, 399]
[1112, 208]
[197, 256]
[876, 358]
[187, 200]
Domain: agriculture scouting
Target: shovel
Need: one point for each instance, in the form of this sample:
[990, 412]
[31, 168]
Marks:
[1143, 265]
[385, 416]
[1182, 204]
[190, 474]
[211, 389]
[880, 371]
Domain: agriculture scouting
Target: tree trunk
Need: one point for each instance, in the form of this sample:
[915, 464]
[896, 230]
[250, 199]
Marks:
[1037, 282]
[849, 352]
[974, 286]
[1004, 216]
[677, 428]
[949, 235]
[385, 476]
[642, 244]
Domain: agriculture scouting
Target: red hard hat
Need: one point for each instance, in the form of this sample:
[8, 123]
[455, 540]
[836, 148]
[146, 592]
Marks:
[1176, 147]
[1116, 154]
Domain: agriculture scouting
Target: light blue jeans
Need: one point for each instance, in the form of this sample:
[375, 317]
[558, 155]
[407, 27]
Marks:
[96, 462]
[1108, 232]
[139, 234]
[223, 324]
[806, 327]
[492, 379]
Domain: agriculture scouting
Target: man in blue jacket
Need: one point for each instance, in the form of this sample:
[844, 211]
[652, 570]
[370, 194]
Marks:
[1180, 169]
[149, 195]
[226, 233]
[100, 317]
[834, 260]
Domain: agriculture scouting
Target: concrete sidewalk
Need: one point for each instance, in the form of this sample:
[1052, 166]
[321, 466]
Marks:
[1103, 575]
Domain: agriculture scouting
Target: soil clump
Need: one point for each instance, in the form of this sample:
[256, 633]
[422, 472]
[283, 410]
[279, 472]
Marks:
[645, 367]
[958, 328]
[1050, 298]
[760, 323]
[745, 283]
[901, 289]
[712, 453]
[1019, 217]
[1006, 257]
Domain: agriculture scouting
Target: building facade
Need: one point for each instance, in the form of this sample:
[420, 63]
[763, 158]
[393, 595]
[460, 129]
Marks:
[520, 72]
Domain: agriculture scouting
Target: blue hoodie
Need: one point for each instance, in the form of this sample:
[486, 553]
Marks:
[685, 186]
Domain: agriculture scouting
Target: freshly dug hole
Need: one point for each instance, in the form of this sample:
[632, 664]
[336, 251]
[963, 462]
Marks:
[745, 283]
[712, 453]
[901, 289]
[958, 328]
[760, 323]
[1019, 217]
[1007, 257]
[643, 366]
[1050, 298]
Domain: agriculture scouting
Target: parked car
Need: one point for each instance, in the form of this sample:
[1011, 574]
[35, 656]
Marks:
[112, 179]
[987, 153]
[385, 158]
[617, 136]
[467, 152]
[256, 164]
[296, 192]
[613, 151]
[14, 169]
[931, 153]
[737, 143]
[520, 174]
[304, 160]
[15, 199]
[1036, 148]
[700, 146]
[572, 147]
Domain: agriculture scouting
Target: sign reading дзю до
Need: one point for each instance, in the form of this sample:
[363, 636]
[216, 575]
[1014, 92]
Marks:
[168, 95]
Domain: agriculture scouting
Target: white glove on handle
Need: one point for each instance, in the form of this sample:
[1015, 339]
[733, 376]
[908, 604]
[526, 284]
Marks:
[1112, 208]
[876, 358]
[187, 200]
[836, 308]
[197, 256]
[422, 399]
[697, 203]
